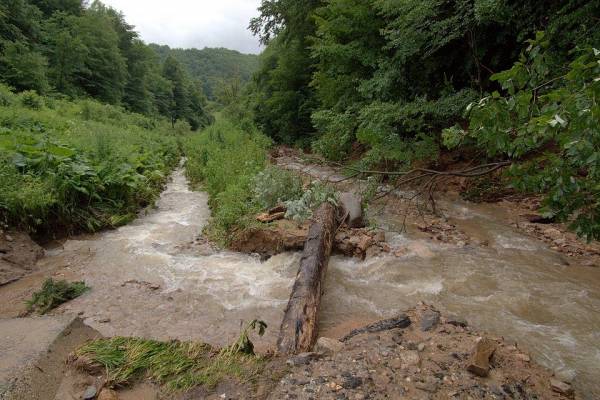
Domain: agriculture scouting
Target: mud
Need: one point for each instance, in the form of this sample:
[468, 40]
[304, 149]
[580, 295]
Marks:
[18, 256]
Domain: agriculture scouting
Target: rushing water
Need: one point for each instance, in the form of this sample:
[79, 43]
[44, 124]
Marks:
[148, 280]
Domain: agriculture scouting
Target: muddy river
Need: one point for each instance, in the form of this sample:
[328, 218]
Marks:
[150, 279]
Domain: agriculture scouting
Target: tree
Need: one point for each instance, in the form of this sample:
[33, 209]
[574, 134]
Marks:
[179, 104]
[23, 68]
[105, 72]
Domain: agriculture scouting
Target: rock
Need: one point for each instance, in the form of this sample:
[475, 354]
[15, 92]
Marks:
[278, 209]
[266, 218]
[561, 387]
[410, 357]
[303, 359]
[90, 393]
[523, 357]
[457, 321]
[429, 320]
[351, 382]
[328, 345]
[480, 359]
[421, 347]
[9, 238]
[402, 321]
[352, 205]
[108, 394]
[538, 219]
[429, 385]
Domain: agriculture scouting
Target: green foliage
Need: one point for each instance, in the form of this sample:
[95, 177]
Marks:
[53, 294]
[177, 365]
[31, 99]
[79, 166]
[318, 193]
[225, 160]
[212, 67]
[79, 51]
[551, 123]
[244, 345]
[274, 186]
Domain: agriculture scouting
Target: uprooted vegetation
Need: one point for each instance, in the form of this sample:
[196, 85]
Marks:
[53, 294]
[178, 366]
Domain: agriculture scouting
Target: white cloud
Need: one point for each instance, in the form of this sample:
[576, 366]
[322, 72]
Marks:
[189, 23]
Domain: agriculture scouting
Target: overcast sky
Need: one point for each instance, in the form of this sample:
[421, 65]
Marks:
[192, 23]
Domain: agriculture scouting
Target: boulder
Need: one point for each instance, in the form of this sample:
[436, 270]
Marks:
[328, 345]
[351, 204]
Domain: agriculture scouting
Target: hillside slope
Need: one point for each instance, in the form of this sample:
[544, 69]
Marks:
[210, 65]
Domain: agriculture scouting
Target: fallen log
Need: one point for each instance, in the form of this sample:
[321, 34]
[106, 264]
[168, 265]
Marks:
[298, 332]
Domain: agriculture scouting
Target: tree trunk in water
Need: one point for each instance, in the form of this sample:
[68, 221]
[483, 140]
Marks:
[299, 328]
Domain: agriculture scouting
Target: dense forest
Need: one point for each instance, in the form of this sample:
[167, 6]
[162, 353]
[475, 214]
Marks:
[66, 48]
[212, 67]
[396, 83]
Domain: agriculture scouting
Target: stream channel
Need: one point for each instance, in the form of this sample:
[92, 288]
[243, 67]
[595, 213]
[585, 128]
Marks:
[149, 279]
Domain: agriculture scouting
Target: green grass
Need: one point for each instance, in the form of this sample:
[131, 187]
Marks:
[225, 159]
[53, 294]
[176, 365]
[79, 165]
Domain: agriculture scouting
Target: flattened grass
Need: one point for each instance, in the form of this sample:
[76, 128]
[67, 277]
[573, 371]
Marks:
[176, 365]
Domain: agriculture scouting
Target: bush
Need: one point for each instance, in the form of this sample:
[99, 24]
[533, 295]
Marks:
[274, 186]
[31, 99]
[318, 193]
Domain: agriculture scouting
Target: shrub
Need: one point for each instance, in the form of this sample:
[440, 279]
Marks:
[274, 186]
[317, 194]
[31, 99]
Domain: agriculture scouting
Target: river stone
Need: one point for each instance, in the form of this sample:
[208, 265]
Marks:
[328, 345]
[90, 393]
[410, 358]
[400, 322]
[429, 320]
[457, 321]
[350, 381]
[108, 394]
[561, 387]
[480, 359]
[303, 359]
[352, 205]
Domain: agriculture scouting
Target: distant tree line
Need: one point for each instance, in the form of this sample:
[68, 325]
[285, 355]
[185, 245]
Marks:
[212, 66]
[75, 49]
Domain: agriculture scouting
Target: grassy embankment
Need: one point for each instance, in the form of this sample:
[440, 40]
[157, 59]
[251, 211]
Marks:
[230, 162]
[78, 166]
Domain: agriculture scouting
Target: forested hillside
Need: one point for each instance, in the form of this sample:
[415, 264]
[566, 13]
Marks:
[212, 66]
[396, 83]
[66, 48]
[90, 117]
